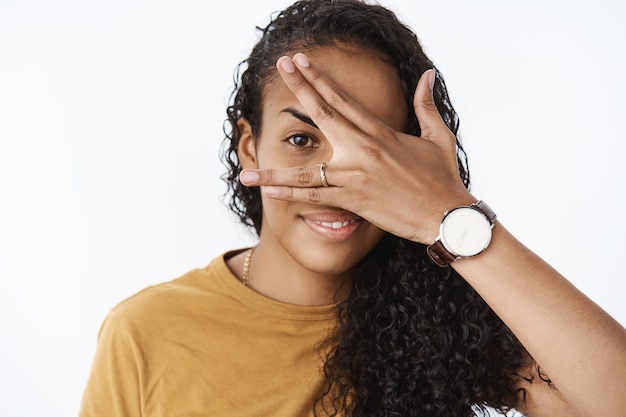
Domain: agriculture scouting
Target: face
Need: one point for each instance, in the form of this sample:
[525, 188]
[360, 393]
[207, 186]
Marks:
[324, 240]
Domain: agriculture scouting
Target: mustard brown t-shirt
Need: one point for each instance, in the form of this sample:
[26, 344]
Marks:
[206, 345]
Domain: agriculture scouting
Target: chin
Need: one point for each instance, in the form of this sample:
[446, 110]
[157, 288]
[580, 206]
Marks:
[333, 261]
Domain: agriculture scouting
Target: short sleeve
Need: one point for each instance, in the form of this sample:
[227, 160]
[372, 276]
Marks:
[113, 387]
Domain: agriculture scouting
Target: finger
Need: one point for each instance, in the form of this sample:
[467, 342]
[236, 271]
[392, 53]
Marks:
[300, 177]
[335, 112]
[431, 123]
[320, 195]
[338, 99]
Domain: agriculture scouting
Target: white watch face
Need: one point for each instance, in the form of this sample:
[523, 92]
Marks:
[465, 232]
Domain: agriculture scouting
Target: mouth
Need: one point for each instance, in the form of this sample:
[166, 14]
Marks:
[335, 226]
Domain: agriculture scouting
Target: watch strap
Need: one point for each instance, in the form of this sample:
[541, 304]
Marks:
[442, 256]
[439, 254]
[486, 210]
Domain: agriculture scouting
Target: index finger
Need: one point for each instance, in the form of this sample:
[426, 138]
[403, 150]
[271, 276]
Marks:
[301, 177]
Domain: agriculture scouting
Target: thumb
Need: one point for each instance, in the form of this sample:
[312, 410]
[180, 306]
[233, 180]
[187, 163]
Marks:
[431, 123]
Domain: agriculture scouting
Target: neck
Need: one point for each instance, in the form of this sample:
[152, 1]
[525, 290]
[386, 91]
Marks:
[280, 277]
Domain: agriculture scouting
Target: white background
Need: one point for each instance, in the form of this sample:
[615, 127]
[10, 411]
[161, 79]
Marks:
[110, 125]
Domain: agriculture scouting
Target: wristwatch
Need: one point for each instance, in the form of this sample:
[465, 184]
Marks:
[464, 232]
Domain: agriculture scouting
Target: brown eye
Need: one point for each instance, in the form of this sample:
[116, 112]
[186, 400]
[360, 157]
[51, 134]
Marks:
[301, 141]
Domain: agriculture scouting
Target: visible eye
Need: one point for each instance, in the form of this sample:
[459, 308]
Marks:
[301, 141]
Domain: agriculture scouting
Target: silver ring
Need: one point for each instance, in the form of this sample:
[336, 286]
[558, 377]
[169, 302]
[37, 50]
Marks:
[323, 175]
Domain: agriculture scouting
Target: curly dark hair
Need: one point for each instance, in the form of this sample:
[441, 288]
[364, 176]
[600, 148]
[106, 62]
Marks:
[412, 339]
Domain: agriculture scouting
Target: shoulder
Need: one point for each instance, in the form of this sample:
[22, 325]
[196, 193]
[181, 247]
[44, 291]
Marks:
[163, 303]
[161, 296]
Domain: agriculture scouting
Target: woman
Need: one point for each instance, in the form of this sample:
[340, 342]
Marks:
[343, 156]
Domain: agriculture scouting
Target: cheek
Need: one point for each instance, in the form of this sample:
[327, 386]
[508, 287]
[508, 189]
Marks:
[275, 212]
[374, 236]
[270, 156]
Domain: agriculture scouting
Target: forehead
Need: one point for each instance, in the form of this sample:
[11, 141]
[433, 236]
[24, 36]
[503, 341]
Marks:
[364, 75]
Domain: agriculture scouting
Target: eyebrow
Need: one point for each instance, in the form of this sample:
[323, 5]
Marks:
[300, 116]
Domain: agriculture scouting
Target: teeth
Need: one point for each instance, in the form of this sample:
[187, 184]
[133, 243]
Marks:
[336, 225]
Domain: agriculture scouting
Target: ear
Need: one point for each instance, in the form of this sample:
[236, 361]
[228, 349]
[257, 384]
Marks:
[246, 151]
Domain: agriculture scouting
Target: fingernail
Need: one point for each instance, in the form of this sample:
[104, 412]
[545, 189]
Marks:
[249, 177]
[286, 64]
[431, 80]
[270, 191]
[302, 60]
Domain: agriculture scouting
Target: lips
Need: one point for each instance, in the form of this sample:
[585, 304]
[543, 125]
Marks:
[333, 225]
